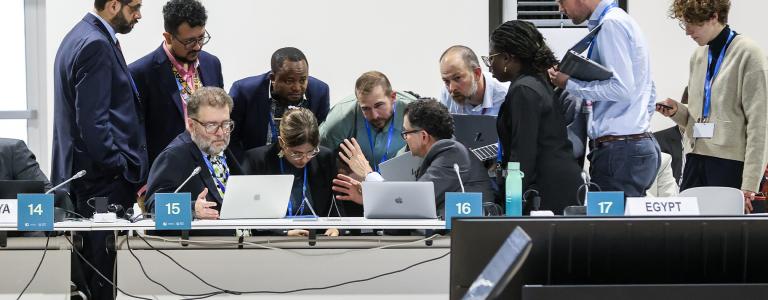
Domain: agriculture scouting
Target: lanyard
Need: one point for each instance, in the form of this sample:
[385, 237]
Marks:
[303, 192]
[500, 153]
[216, 180]
[389, 138]
[273, 127]
[711, 76]
[600, 20]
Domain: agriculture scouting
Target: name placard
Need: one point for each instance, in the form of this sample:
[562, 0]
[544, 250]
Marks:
[665, 206]
[36, 212]
[173, 211]
[605, 204]
[462, 205]
[9, 211]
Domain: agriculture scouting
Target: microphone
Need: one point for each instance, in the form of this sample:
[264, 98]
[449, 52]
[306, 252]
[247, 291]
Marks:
[76, 176]
[194, 172]
[456, 168]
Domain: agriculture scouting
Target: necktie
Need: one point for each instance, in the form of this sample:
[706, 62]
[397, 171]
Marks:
[220, 171]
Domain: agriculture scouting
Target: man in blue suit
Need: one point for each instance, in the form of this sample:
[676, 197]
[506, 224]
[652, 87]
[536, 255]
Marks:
[261, 100]
[97, 122]
[167, 76]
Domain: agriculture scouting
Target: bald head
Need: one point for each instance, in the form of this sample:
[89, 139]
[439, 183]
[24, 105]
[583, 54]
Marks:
[462, 75]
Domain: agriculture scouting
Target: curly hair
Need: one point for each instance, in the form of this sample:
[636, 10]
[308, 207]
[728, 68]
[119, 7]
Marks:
[176, 12]
[699, 11]
[431, 116]
[522, 40]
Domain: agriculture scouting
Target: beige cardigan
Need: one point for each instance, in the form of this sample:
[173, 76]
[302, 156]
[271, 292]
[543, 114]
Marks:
[739, 108]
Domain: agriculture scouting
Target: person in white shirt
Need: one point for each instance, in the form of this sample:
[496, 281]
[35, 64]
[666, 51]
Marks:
[468, 90]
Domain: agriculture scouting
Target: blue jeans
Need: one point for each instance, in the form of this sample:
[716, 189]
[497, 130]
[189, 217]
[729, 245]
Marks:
[629, 166]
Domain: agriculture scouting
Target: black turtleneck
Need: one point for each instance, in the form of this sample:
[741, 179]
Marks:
[717, 44]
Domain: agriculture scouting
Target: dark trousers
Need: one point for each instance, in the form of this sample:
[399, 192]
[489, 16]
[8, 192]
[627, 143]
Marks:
[629, 166]
[118, 191]
[703, 170]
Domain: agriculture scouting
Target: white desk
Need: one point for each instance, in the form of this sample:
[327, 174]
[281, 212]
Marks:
[77, 225]
[320, 223]
[19, 260]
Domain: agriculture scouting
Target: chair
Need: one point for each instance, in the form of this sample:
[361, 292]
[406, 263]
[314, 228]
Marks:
[717, 200]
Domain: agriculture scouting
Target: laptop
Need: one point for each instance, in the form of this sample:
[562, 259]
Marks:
[502, 267]
[478, 133]
[400, 168]
[10, 188]
[399, 200]
[256, 197]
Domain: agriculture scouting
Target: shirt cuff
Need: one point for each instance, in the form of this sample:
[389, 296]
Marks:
[572, 85]
[374, 176]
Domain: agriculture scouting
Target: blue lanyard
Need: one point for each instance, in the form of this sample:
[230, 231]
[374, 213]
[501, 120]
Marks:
[213, 173]
[273, 127]
[181, 91]
[600, 20]
[710, 76]
[389, 138]
[500, 153]
[303, 192]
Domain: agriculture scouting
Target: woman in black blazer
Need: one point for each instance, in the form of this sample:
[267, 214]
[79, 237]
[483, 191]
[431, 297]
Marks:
[298, 153]
[530, 123]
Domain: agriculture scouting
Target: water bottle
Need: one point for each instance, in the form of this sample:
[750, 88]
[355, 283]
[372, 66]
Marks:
[513, 190]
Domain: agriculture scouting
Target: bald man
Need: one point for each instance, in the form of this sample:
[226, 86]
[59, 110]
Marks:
[467, 89]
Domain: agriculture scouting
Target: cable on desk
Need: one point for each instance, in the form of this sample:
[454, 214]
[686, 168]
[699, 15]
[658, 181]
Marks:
[74, 249]
[47, 239]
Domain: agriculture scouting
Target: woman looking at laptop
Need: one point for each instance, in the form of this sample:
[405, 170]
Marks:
[298, 153]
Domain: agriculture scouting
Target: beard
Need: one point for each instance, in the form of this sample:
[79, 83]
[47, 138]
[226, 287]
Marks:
[207, 145]
[462, 98]
[185, 59]
[121, 24]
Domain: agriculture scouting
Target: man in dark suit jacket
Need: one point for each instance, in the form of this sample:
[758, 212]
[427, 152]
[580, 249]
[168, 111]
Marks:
[18, 163]
[261, 100]
[97, 121]
[204, 145]
[167, 76]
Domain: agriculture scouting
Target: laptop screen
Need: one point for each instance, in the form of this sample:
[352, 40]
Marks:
[502, 267]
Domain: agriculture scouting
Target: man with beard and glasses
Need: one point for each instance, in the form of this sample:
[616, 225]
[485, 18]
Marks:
[167, 76]
[468, 90]
[261, 100]
[203, 145]
[97, 121]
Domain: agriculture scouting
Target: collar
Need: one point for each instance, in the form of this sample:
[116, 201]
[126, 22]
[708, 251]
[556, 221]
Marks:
[107, 25]
[220, 156]
[488, 95]
[592, 22]
[718, 42]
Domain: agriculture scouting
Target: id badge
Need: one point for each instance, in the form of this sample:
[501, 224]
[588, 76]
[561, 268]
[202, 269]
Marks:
[704, 130]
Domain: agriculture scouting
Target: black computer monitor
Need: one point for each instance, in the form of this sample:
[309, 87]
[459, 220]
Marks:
[10, 188]
[615, 251]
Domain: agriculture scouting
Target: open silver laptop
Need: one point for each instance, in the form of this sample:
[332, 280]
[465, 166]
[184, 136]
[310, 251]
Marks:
[399, 200]
[256, 197]
[400, 168]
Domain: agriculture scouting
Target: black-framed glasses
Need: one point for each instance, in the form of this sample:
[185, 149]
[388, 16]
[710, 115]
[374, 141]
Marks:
[213, 127]
[405, 133]
[489, 59]
[300, 155]
[190, 43]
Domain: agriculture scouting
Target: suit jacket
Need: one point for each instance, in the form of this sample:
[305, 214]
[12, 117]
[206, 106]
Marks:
[18, 163]
[322, 169]
[175, 164]
[533, 133]
[97, 122]
[437, 167]
[159, 92]
[253, 105]
[671, 142]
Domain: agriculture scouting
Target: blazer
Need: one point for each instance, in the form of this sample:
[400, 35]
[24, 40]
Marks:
[18, 163]
[97, 119]
[159, 92]
[322, 169]
[253, 105]
[175, 164]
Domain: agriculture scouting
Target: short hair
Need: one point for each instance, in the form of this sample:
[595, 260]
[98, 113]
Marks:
[699, 11]
[432, 116]
[371, 79]
[289, 53]
[522, 40]
[177, 12]
[100, 4]
[467, 55]
[208, 96]
[298, 127]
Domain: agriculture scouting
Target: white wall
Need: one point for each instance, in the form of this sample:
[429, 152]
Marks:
[341, 38]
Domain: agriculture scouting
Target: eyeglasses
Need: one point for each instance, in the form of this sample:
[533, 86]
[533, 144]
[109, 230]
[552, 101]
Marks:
[685, 25]
[300, 155]
[213, 127]
[190, 43]
[407, 132]
[489, 59]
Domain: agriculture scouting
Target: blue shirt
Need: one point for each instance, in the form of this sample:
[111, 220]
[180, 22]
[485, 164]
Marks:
[111, 30]
[624, 104]
[494, 95]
